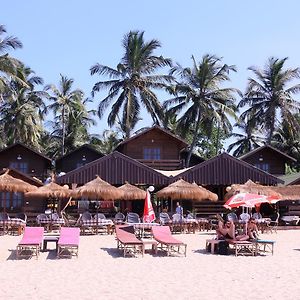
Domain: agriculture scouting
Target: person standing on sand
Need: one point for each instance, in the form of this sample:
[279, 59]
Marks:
[179, 210]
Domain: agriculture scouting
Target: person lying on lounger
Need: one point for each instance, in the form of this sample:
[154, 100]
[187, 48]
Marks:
[227, 231]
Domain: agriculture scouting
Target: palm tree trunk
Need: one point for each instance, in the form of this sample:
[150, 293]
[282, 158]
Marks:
[270, 134]
[63, 130]
[194, 140]
[218, 137]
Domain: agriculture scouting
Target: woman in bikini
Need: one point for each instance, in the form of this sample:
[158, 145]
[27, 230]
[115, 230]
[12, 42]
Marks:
[227, 231]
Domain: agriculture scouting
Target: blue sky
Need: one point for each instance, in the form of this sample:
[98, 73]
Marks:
[68, 37]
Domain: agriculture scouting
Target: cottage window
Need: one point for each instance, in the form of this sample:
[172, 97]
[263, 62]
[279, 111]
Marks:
[263, 166]
[20, 166]
[151, 153]
[8, 200]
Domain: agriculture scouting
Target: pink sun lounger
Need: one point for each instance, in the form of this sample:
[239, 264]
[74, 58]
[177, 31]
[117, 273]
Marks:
[30, 244]
[163, 236]
[127, 240]
[68, 242]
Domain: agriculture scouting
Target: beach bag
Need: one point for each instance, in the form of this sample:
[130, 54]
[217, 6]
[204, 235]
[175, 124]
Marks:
[223, 247]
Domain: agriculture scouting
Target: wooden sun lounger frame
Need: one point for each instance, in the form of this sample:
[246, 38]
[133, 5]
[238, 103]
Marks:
[170, 248]
[134, 246]
[253, 247]
[34, 249]
[71, 249]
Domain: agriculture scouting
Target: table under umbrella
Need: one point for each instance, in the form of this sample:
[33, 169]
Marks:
[98, 189]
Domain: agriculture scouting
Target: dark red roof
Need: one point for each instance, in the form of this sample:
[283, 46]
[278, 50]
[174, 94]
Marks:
[115, 168]
[165, 131]
[257, 150]
[85, 146]
[26, 147]
[225, 169]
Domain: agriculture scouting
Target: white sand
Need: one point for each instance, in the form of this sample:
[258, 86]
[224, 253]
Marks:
[101, 272]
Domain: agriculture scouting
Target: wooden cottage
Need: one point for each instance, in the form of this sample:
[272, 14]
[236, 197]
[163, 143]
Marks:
[219, 172]
[155, 147]
[268, 159]
[77, 158]
[15, 202]
[26, 160]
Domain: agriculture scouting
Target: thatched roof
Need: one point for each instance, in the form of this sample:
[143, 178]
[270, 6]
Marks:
[132, 192]
[182, 190]
[9, 183]
[290, 192]
[251, 187]
[99, 189]
[52, 190]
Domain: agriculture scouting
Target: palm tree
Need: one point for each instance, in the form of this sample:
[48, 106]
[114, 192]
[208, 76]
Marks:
[287, 140]
[79, 120]
[268, 97]
[8, 65]
[107, 141]
[132, 82]
[64, 100]
[22, 112]
[247, 140]
[206, 104]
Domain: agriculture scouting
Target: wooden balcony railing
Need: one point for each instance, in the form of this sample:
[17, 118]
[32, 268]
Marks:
[163, 164]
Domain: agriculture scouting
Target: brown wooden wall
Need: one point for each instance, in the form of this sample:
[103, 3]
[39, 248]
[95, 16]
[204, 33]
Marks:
[169, 147]
[82, 156]
[266, 156]
[37, 165]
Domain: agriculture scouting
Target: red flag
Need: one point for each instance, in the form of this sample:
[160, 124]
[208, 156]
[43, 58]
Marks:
[149, 215]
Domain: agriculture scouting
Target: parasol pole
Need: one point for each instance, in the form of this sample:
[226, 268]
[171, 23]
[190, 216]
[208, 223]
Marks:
[69, 201]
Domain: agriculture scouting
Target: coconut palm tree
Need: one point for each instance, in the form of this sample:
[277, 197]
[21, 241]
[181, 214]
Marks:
[287, 140]
[64, 100]
[201, 99]
[246, 140]
[8, 65]
[269, 97]
[107, 141]
[132, 83]
[22, 112]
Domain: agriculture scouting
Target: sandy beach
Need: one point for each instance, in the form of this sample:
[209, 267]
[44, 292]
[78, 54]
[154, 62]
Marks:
[101, 272]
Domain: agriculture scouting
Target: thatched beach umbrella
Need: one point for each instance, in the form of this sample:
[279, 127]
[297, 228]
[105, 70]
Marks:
[290, 192]
[9, 183]
[132, 192]
[51, 190]
[252, 187]
[182, 190]
[99, 189]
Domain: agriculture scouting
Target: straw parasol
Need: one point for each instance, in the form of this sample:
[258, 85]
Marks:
[99, 189]
[182, 190]
[251, 187]
[11, 184]
[132, 192]
[51, 190]
[290, 192]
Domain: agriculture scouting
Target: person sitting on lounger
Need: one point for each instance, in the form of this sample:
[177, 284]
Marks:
[227, 231]
[252, 230]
